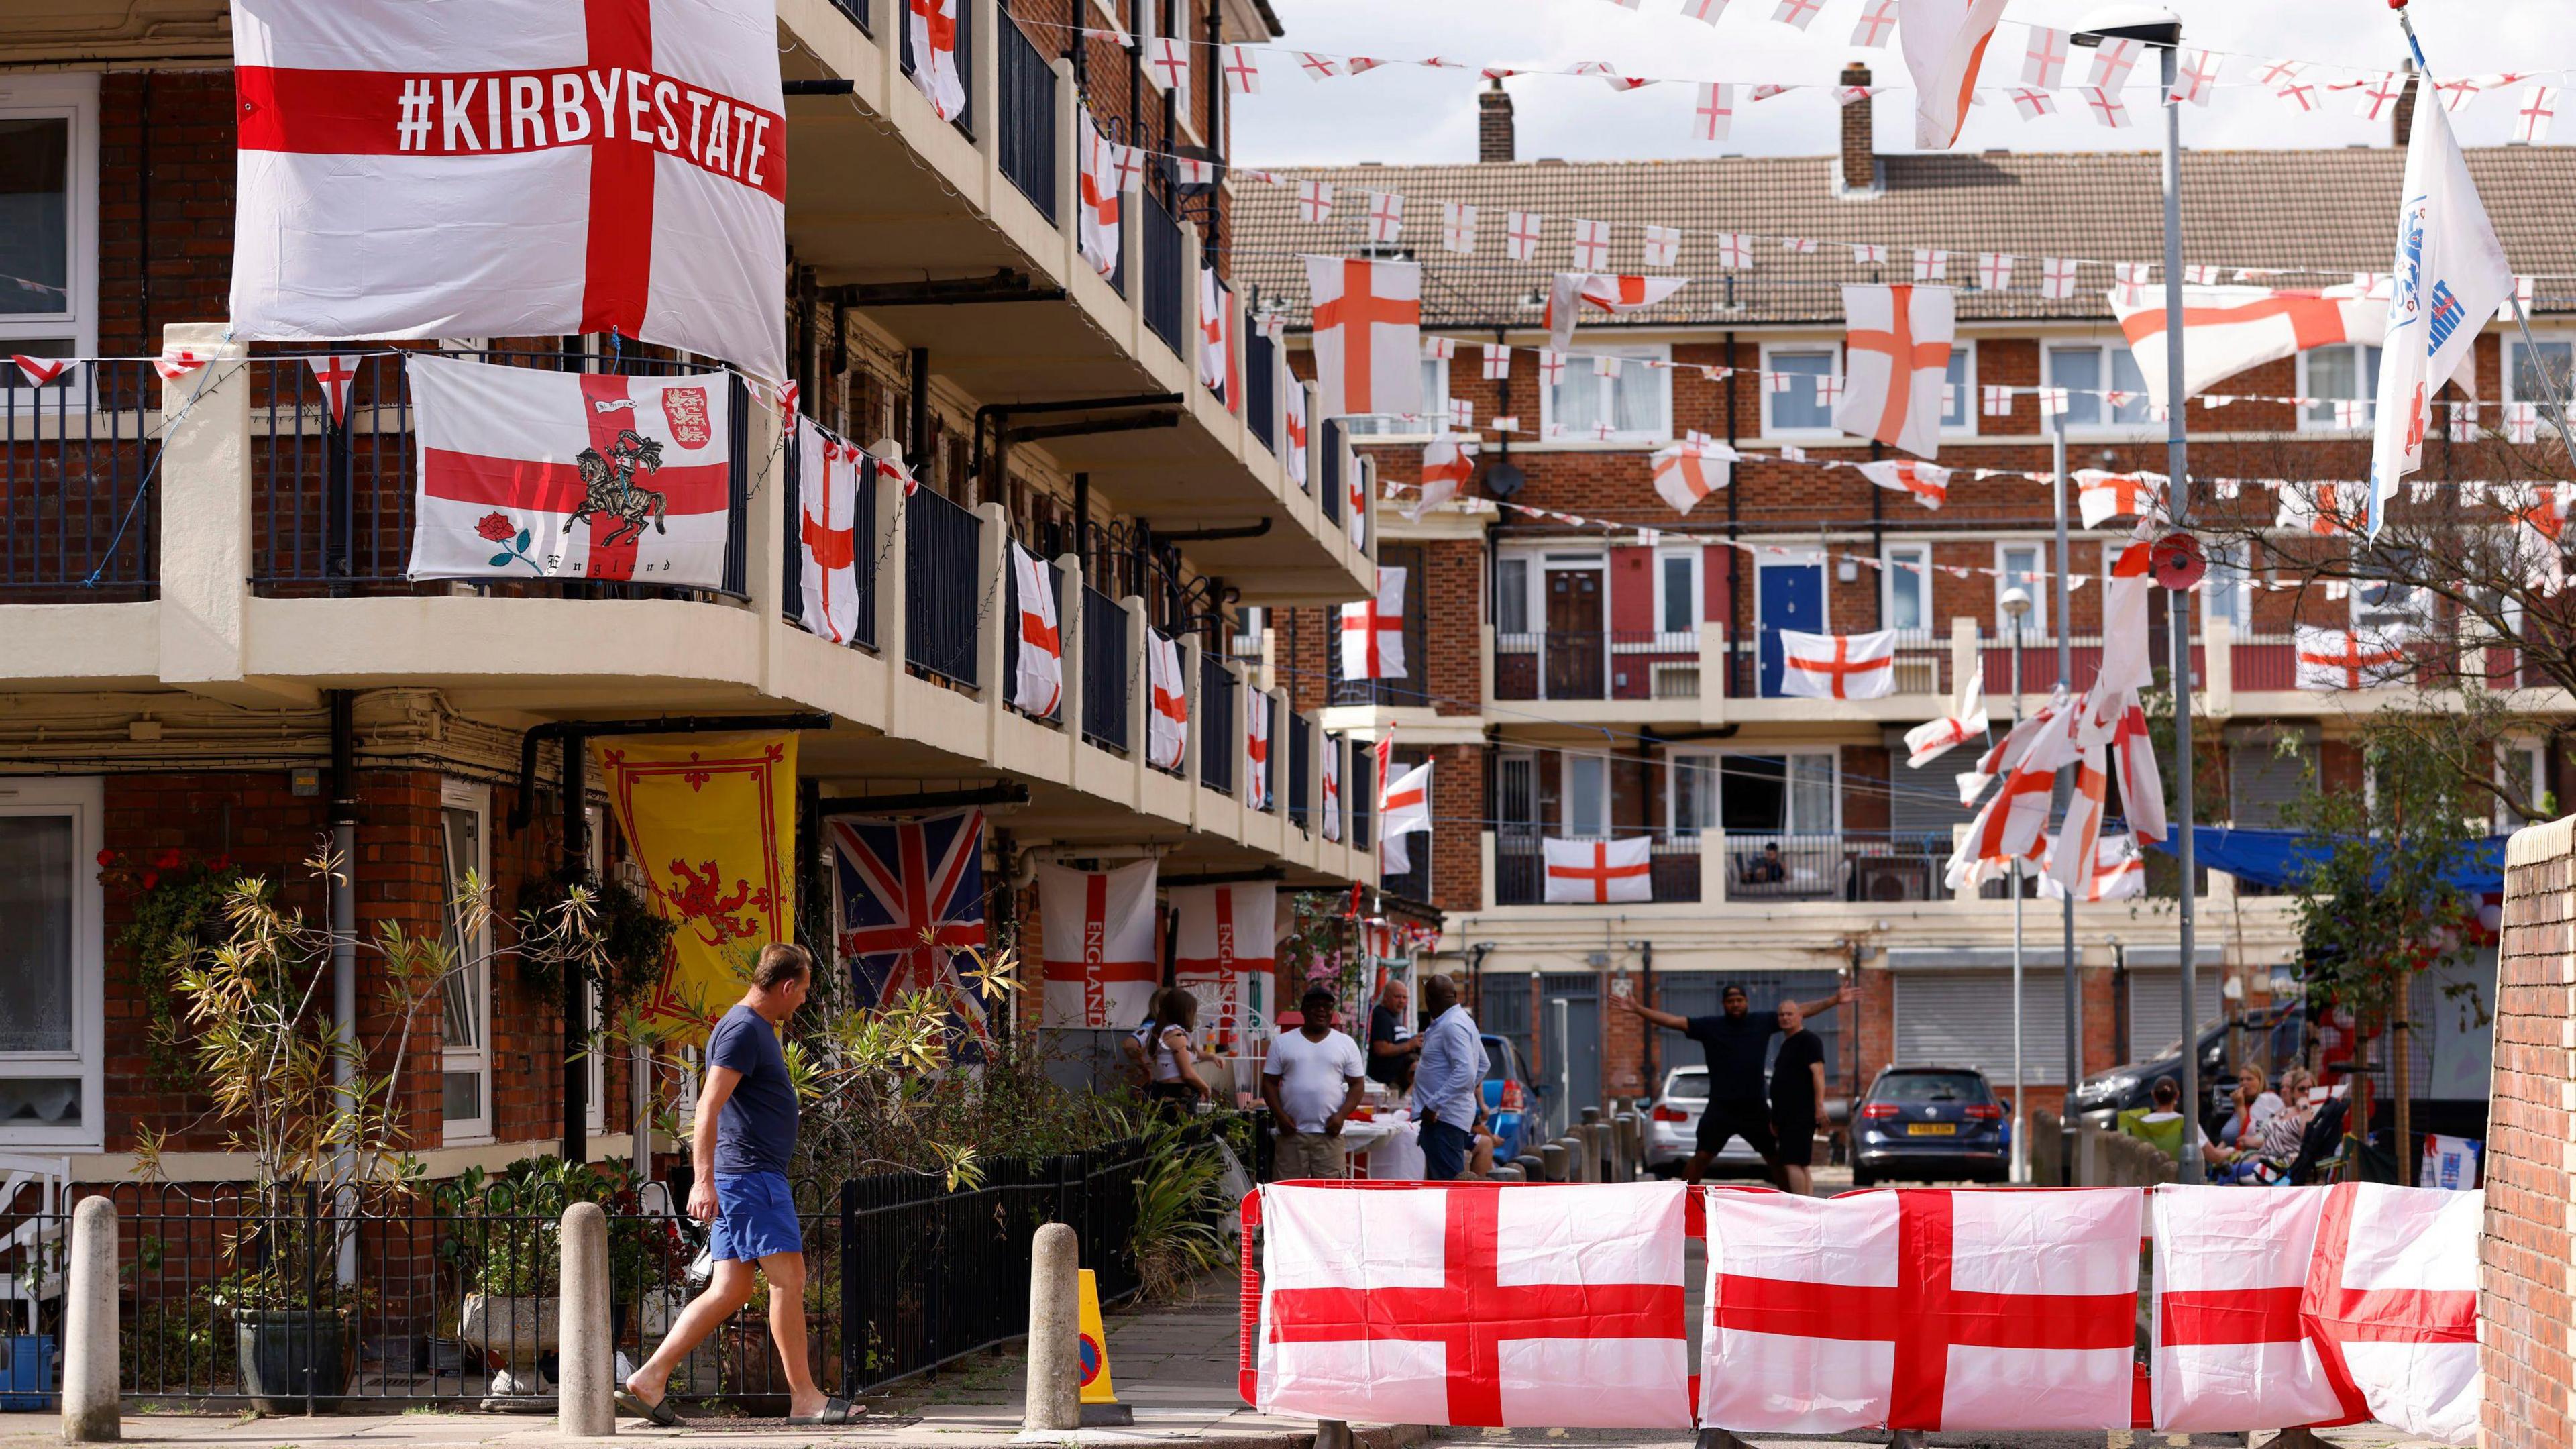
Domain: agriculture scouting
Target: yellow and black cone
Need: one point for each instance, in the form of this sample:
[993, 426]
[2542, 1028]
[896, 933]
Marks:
[1100, 1406]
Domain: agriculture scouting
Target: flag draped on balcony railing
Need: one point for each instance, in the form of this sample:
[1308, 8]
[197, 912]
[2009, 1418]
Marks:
[828, 493]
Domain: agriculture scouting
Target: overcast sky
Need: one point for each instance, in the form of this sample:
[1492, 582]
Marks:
[1410, 114]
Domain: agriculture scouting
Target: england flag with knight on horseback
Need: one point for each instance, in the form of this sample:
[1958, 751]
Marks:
[529, 474]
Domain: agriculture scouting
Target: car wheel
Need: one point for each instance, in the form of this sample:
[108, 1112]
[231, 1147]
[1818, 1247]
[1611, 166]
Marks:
[1863, 1179]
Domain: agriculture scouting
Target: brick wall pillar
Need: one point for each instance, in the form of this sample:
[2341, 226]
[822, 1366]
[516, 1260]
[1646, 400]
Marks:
[2527, 1286]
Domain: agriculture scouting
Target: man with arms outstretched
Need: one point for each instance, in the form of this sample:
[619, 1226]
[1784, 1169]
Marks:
[1736, 1042]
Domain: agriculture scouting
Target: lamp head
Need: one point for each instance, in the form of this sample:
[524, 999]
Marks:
[2153, 24]
[2016, 602]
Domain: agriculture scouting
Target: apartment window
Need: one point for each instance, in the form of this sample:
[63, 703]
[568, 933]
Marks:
[1789, 793]
[2086, 373]
[1636, 401]
[1433, 419]
[1511, 594]
[2227, 591]
[1959, 392]
[1677, 593]
[1587, 796]
[2345, 373]
[1801, 409]
[1692, 803]
[1907, 580]
[2522, 775]
[2022, 565]
[1516, 807]
[52, 962]
[2524, 366]
[48, 217]
[465, 995]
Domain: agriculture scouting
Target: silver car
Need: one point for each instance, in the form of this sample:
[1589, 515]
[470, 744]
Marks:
[1672, 1130]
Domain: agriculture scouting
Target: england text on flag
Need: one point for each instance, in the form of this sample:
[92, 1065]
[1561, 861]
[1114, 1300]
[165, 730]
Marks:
[1101, 962]
[1225, 947]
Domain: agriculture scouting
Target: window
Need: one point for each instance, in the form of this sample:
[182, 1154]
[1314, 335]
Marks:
[2522, 773]
[1907, 578]
[465, 995]
[1637, 401]
[1511, 594]
[2226, 592]
[2086, 373]
[1959, 392]
[2523, 367]
[1433, 419]
[48, 217]
[1516, 811]
[2346, 373]
[1800, 409]
[1792, 793]
[1587, 796]
[1692, 779]
[2022, 565]
[1677, 594]
[52, 962]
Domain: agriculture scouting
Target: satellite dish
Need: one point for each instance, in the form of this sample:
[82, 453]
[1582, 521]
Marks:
[2177, 561]
[1503, 478]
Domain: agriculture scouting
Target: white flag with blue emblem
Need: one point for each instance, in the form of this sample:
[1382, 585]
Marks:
[2449, 278]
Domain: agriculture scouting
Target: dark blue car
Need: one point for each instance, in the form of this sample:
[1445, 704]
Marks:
[1507, 1093]
[1930, 1124]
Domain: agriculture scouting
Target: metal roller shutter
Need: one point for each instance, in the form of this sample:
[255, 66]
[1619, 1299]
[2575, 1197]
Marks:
[1964, 1019]
[2155, 1008]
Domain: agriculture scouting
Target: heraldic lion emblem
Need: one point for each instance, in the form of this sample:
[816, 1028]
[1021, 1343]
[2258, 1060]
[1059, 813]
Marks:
[610, 488]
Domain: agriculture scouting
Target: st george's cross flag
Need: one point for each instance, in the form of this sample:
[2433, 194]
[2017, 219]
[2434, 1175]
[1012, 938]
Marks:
[2334, 659]
[1475, 1304]
[1293, 396]
[2128, 654]
[1368, 336]
[1373, 630]
[2450, 277]
[2011, 824]
[512, 167]
[2142, 780]
[1896, 357]
[1927, 483]
[1920, 1308]
[1225, 949]
[2071, 853]
[1944, 42]
[933, 35]
[1574, 292]
[1403, 801]
[1037, 678]
[2226, 330]
[1332, 773]
[1838, 666]
[1167, 713]
[1687, 472]
[1257, 708]
[2317, 1305]
[1218, 343]
[827, 491]
[1448, 461]
[1102, 965]
[1966, 721]
[530, 474]
[2101, 496]
[908, 902]
[1598, 872]
[1097, 160]
[2119, 872]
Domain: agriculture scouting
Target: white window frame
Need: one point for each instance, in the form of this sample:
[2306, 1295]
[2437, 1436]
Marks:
[1833, 351]
[1695, 557]
[2034, 628]
[1565, 763]
[84, 799]
[2224, 555]
[2512, 354]
[2144, 428]
[2309, 423]
[1532, 566]
[1890, 574]
[1578, 368]
[2535, 752]
[1713, 757]
[1379, 427]
[1970, 404]
[467, 795]
[73, 96]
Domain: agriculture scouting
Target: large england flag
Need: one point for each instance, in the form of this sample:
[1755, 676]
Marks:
[1225, 947]
[2226, 330]
[1920, 1308]
[1476, 1304]
[2336, 659]
[2317, 1305]
[1896, 357]
[1167, 716]
[1373, 630]
[529, 474]
[1368, 336]
[1599, 872]
[502, 168]
[1838, 666]
[1102, 967]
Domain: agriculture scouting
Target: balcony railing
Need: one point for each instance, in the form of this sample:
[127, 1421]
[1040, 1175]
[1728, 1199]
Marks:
[79, 519]
[857, 10]
[965, 121]
[1027, 96]
[1162, 246]
[1329, 467]
[943, 548]
[1301, 766]
[1107, 672]
[1849, 866]
[1216, 705]
[863, 549]
[1260, 386]
[1520, 871]
[1012, 644]
[1597, 664]
[1359, 797]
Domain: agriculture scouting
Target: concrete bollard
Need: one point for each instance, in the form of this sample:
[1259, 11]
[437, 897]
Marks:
[90, 1409]
[1591, 1115]
[1055, 1331]
[1578, 1159]
[1632, 1139]
[1596, 1149]
[1533, 1167]
[1509, 1172]
[586, 1373]
[1551, 1156]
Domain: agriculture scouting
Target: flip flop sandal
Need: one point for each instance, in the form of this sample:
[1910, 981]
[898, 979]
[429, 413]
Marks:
[661, 1414]
[834, 1411]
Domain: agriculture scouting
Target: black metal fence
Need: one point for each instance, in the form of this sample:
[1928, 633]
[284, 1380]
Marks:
[1027, 100]
[1162, 247]
[1261, 387]
[1301, 766]
[1359, 799]
[1330, 486]
[79, 517]
[1107, 672]
[862, 546]
[943, 554]
[857, 10]
[1217, 687]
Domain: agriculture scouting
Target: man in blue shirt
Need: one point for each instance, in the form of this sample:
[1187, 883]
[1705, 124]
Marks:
[740, 1143]
[1448, 1082]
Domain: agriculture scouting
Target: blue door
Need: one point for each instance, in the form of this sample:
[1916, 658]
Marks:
[1787, 596]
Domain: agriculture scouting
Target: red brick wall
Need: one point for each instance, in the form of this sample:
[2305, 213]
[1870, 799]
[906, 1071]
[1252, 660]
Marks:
[181, 269]
[2525, 1304]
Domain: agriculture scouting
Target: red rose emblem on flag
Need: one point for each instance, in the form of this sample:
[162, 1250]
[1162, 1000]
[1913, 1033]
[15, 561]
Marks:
[495, 527]
[685, 409]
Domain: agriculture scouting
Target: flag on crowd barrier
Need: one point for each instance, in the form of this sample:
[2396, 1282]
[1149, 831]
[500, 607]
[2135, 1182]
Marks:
[2226, 330]
[1618, 296]
[712, 818]
[827, 491]
[1598, 872]
[1477, 1304]
[1102, 962]
[1838, 666]
[1944, 41]
[2449, 278]
[1896, 358]
[1037, 680]
[1373, 630]
[634, 181]
[2317, 1305]
[1167, 718]
[532, 474]
[907, 902]
[1966, 721]
[1368, 336]
[1225, 951]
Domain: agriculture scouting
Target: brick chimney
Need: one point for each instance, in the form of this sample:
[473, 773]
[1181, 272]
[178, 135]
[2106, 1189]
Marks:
[1493, 125]
[2401, 121]
[1859, 173]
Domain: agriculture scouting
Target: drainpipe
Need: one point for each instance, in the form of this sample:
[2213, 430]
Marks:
[344, 940]
[1734, 555]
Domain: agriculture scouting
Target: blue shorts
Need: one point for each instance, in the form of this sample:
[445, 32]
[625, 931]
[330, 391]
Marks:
[755, 1217]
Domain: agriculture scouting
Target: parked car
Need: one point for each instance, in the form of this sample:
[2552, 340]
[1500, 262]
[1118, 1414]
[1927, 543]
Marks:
[1930, 1124]
[2101, 1097]
[1509, 1098]
[1672, 1130]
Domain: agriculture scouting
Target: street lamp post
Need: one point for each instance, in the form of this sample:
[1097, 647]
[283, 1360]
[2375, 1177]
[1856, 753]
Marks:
[2016, 602]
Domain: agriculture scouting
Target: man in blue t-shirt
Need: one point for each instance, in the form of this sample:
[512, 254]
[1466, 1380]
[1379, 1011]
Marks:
[740, 1142]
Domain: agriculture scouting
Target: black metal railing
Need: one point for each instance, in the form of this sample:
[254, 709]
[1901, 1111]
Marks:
[1027, 100]
[965, 121]
[1217, 687]
[1261, 387]
[943, 556]
[1013, 642]
[857, 10]
[862, 547]
[1301, 768]
[1162, 246]
[1359, 796]
[1329, 485]
[1596, 664]
[1107, 673]
[79, 506]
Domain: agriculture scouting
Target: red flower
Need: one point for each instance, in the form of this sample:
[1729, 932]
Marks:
[221, 862]
[169, 860]
[497, 527]
[151, 878]
[106, 858]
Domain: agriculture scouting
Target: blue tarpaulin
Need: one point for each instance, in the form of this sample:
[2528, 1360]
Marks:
[2277, 858]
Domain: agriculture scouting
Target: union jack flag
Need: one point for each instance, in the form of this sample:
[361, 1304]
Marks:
[892, 882]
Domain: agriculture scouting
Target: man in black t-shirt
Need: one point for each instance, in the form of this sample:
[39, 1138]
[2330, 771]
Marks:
[1797, 1097]
[1735, 1041]
[1393, 1044]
